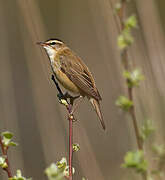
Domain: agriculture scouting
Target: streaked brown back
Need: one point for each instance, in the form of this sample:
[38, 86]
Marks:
[78, 73]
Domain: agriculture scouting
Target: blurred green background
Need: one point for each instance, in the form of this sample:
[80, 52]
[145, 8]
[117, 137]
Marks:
[28, 104]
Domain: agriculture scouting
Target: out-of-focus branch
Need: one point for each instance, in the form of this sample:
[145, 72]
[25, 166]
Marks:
[125, 40]
[125, 61]
[4, 150]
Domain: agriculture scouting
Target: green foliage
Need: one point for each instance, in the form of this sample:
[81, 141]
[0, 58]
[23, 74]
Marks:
[136, 161]
[133, 78]
[58, 171]
[3, 163]
[146, 130]
[76, 147]
[7, 134]
[19, 176]
[124, 103]
[7, 139]
[125, 39]
[53, 173]
[6, 143]
[131, 22]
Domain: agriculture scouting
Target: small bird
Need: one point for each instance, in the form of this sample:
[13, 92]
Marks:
[72, 73]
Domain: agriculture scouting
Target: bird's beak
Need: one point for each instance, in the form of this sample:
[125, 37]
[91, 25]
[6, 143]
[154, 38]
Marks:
[41, 43]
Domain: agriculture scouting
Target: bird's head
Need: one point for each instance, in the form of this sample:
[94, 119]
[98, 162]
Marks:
[52, 46]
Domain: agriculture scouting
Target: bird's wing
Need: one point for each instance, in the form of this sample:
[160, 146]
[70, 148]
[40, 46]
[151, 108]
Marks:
[78, 73]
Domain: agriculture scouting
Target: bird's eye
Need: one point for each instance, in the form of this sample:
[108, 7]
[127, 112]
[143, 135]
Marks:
[52, 43]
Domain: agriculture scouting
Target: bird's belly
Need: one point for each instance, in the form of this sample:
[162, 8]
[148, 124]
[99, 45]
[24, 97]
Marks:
[66, 82]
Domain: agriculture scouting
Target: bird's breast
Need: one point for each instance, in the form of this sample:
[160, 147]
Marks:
[63, 79]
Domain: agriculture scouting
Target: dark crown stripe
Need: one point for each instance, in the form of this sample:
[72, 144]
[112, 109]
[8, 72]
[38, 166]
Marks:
[53, 39]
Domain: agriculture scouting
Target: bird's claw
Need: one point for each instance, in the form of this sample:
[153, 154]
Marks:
[67, 96]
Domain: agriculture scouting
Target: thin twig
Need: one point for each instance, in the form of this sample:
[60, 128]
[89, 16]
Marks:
[133, 115]
[125, 62]
[69, 107]
[4, 153]
[70, 118]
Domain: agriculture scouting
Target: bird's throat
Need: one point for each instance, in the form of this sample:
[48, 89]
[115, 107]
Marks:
[51, 53]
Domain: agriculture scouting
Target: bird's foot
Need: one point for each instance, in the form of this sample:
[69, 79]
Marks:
[70, 97]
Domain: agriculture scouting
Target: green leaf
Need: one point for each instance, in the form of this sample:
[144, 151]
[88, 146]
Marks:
[62, 163]
[125, 39]
[76, 147]
[136, 161]
[131, 22]
[146, 130]
[6, 139]
[53, 172]
[121, 42]
[133, 78]
[59, 170]
[2, 160]
[124, 103]
[3, 163]
[19, 176]
[13, 144]
[7, 134]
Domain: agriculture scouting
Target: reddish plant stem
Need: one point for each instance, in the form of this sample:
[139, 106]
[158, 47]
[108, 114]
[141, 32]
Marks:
[69, 107]
[70, 118]
[4, 152]
[70, 147]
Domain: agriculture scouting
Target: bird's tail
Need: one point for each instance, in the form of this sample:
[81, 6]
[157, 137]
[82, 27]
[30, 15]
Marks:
[96, 106]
